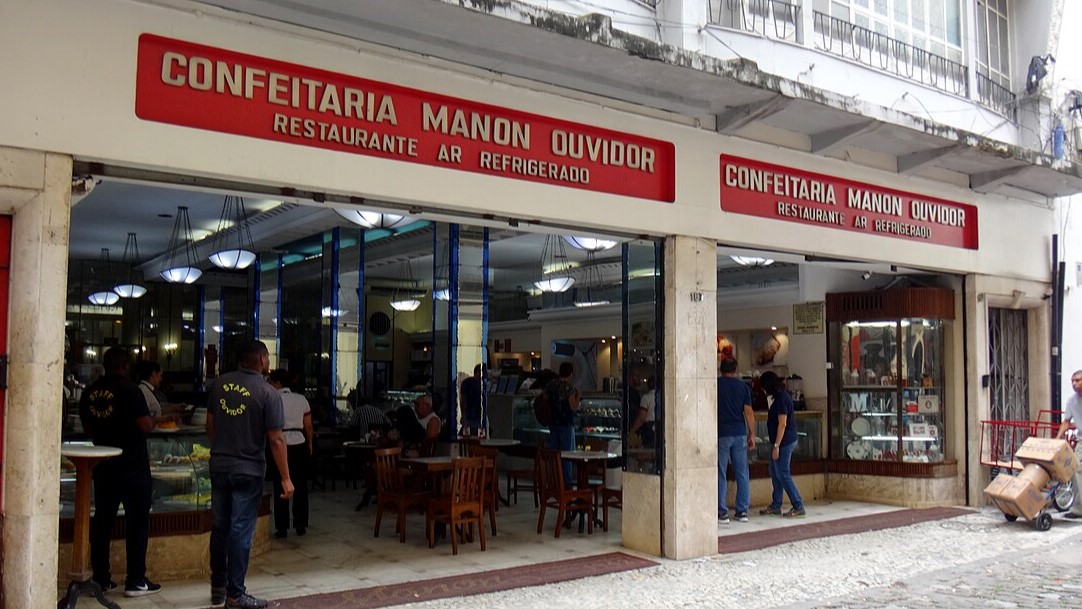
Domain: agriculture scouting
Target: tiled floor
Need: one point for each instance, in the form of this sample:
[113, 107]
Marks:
[340, 553]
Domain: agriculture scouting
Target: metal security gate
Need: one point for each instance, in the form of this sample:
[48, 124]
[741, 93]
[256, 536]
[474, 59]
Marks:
[1008, 365]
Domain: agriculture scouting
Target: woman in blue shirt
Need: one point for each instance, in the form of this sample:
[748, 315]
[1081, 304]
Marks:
[782, 431]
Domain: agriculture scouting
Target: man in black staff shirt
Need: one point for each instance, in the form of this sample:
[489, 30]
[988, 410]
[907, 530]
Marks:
[115, 413]
[244, 415]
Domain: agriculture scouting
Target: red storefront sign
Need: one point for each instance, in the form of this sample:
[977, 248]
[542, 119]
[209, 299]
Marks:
[204, 87]
[783, 193]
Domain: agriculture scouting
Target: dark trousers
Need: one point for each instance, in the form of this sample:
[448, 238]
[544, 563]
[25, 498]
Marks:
[298, 457]
[234, 504]
[113, 487]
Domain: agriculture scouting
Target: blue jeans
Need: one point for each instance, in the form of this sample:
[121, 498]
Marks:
[563, 438]
[235, 507]
[782, 478]
[736, 449]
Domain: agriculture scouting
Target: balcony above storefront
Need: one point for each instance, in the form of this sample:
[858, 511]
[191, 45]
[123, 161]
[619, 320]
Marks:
[591, 57]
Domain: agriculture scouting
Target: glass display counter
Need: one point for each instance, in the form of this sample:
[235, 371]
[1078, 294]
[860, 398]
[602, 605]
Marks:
[809, 430]
[598, 417]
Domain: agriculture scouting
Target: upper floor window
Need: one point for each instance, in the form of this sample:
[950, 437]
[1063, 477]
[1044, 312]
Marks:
[993, 42]
[932, 25]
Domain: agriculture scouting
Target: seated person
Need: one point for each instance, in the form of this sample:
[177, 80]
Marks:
[367, 418]
[418, 429]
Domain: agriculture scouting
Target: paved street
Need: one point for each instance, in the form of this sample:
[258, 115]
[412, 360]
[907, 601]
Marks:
[978, 560]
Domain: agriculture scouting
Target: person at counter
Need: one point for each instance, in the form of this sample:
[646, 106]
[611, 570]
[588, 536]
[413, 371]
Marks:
[736, 436]
[114, 413]
[781, 428]
[469, 397]
[563, 400]
[299, 438]
[149, 375]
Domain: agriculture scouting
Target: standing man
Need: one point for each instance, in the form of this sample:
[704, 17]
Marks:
[244, 414]
[781, 428]
[736, 436]
[299, 443]
[1072, 413]
[563, 399]
[114, 412]
[470, 399]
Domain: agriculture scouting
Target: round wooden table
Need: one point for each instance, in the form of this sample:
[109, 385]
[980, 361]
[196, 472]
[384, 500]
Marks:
[85, 457]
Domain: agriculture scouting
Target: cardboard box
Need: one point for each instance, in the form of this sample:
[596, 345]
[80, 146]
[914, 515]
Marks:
[1055, 456]
[1036, 475]
[1015, 495]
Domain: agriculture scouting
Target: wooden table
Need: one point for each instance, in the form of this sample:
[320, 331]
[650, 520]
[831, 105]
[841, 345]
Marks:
[85, 457]
[499, 442]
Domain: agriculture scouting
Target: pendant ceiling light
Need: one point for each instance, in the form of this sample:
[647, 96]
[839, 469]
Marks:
[590, 244]
[590, 295]
[752, 260]
[374, 219]
[555, 267]
[180, 264]
[406, 299]
[233, 247]
[130, 284]
[99, 294]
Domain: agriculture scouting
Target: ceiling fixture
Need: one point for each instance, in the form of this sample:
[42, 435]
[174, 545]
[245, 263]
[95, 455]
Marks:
[374, 219]
[132, 286]
[406, 299]
[178, 269]
[590, 244]
[233, 247]
[590, 295]
[99, 295]
[555, 267]
[752, 260]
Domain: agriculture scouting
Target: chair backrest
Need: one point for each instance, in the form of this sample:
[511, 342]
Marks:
[387, 475]
[467, 479]
[489, 454]
[552, 472]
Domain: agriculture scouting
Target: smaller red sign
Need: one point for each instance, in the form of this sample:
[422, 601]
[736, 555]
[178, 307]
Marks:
[203, 87]
[783, 193]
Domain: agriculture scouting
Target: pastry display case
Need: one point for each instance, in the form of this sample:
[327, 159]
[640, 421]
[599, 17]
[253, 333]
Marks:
[887, 395]
[598, 417]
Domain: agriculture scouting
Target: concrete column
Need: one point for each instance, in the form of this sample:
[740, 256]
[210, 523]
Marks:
[36, 188]
[689, 482]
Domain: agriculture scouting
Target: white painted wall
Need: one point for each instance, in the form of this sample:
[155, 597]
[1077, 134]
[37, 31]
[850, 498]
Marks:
[628, 15]
[76, 101]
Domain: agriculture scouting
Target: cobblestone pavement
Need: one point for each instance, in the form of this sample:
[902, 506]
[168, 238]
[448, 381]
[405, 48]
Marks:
[978, 560]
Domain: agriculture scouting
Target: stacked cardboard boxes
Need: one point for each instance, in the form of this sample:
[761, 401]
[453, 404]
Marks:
[1022, 495]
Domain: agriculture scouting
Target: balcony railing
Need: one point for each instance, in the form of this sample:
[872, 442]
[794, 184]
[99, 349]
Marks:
[876, 50]
[996, 96]
[771, 18]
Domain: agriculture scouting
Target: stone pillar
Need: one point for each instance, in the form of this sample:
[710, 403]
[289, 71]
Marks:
[36, 188]
[689, 482]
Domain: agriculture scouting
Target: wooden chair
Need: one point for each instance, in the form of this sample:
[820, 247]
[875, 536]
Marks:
[596, 469]
[525, 479]
[491, 491]
[464, 506]
[555, 495]
[610, 497]
[392, 494]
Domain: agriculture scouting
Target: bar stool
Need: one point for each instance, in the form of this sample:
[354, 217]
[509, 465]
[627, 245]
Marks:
[85, 457]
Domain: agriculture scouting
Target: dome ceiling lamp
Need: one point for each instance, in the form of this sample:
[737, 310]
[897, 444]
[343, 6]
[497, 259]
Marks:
[233, 246]
[752, 260]
[406, 299]
[590, 244]
[180, 264]
[374, 219]
[98, 295]
[590, 296]
[130, 286]
[555, 267]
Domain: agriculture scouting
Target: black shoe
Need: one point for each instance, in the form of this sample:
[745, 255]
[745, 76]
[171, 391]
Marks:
[217, 595]
[108, 586]
[143, 588]
[245, 601]
[1073, 516]
[281, 533]
[301, 531]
